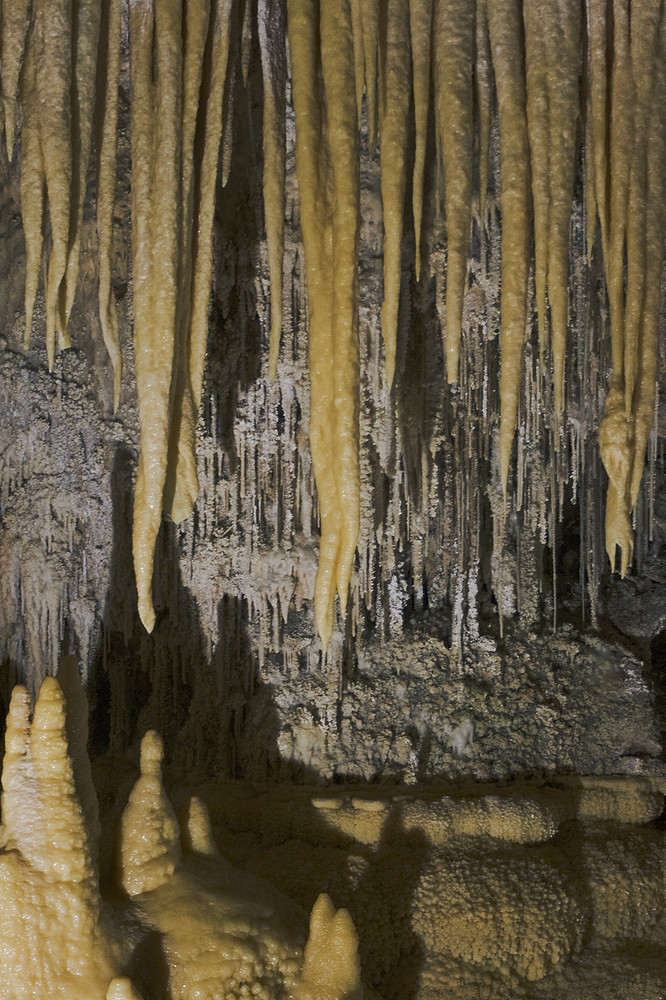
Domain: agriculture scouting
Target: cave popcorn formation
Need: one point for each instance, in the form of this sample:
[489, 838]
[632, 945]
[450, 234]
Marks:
[357, 61]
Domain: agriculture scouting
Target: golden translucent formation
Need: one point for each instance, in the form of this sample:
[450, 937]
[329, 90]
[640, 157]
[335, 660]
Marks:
[329, 189]
[222, 931]
[150, 833]
[13, 27]
[370, 23]
[491, 886]
[181, 101]
[504, 23]
[331, 967]
[272, 37]
[633, 252]
[47, 159]
[420, 24]
[106, 182]
[155, 136]
[596, 140]
[394, 102]
[196, 336]
[53, 76]
[453, 46]
[176, 131]
[32, 186]
[552, 56]
[483, 79]
[54, 942]
[86, 17]
[181, 485]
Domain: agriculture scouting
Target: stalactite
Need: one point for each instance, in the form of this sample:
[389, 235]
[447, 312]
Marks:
[106, 181]
[420, 24]
[394, 92]
[52, 37]
[483, 90]
[453, 54]
[330, 235]
[155, 147]
[370, 21]
[272, 38]
[187, 62]
[655, 237]
[508, 60]
[86, 17]
[32, 186]
[13, 30]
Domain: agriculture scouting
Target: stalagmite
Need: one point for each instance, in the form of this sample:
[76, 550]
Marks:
[505, 31]
[150, 834]
[331, 967]
[106, 182]
[453, 57]
[217, 930]
[394, 92]
[53, 941]
[420, 25]
[13, 30]
[272, 37]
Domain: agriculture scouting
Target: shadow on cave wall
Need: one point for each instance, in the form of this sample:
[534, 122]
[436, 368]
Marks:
[168, 680]
[235, 341]
[200, 705]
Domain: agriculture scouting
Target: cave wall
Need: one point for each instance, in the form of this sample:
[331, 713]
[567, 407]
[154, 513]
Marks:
[233, 675]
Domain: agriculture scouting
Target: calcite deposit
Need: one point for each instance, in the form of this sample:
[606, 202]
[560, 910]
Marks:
[331, 384]
[215, 930]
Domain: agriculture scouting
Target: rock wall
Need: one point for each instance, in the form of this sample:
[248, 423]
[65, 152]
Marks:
[445, 651]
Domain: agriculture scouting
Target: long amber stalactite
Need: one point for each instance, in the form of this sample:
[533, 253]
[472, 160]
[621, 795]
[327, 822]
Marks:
[419, 76]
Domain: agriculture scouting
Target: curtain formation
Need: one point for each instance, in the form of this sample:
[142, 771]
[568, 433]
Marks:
[567, 83]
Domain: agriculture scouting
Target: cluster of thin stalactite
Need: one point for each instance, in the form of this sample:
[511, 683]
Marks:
[549, 70]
